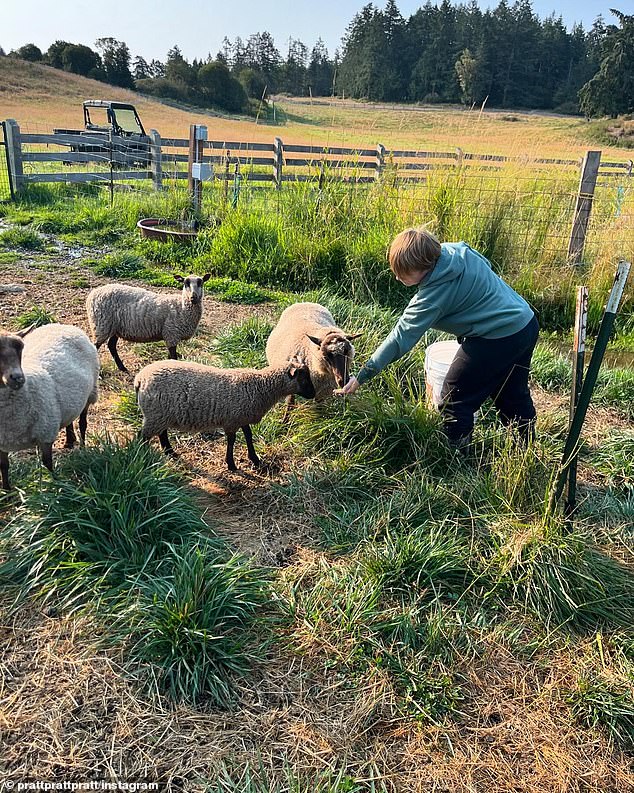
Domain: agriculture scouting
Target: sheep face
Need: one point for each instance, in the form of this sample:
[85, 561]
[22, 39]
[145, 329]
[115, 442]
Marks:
[338, 353]
[301, 375]
[11, 346]
[192, 288]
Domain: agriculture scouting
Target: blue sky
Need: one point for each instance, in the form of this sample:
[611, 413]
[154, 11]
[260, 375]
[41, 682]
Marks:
[150, 28]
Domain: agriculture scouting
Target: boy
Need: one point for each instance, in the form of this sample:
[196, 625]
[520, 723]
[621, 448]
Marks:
[458, 292]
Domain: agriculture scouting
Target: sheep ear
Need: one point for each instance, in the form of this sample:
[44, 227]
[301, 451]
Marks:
[353, 336]
[314, 339]
[179, 278]
[206, 277]
[22, 333]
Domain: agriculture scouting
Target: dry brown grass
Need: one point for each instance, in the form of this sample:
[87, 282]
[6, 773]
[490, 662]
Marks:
[41, 98]
[69, 713]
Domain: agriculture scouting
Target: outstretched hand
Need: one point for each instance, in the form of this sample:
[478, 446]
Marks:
[350, 387]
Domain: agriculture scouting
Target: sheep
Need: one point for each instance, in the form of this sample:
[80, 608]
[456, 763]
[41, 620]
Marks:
[196, 398]
[118, 311]
[46, 382]
[307, 333]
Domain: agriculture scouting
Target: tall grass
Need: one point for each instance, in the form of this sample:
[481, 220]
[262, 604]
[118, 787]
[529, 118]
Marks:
[119, 536]
[301, 239]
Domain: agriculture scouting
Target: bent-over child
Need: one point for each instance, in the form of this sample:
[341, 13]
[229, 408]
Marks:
[458, 292]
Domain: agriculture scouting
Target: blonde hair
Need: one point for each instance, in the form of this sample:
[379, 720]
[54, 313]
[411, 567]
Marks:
[413, 250]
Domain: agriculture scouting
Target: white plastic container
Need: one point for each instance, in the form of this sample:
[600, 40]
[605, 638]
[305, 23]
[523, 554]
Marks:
[438, 359]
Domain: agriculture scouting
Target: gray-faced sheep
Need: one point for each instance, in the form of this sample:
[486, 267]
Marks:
[195, 398]
[307, 332]
[117, 311]
[47, 380]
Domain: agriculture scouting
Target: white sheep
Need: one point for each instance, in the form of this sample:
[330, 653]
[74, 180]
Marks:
[118, 311]
[194, 398]
[307, 332]
[47, 380]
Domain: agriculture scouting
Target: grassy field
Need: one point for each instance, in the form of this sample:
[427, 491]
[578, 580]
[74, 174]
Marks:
[367, 612]
[41, 98]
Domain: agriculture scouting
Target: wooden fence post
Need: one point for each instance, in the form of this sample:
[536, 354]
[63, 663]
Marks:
[14, 150]
[156, 160]
[278, 161]
[197, 138]
[585, 196]
[380, 162]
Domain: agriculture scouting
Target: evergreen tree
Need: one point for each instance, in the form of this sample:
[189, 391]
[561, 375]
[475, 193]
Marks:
[293, 77]
[611, 91]
[141, 68]
[115, 57]
[320, 70]
[178, 70]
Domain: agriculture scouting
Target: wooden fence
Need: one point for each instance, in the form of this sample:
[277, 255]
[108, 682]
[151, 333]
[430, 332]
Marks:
[266, 163]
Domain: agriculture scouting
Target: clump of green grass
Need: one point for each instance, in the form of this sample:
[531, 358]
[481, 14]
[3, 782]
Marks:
[128, 409]
[614, 458]
[22, 238]
[117, 534]
[121, 264]
[8, 257]
[241, 778]
[426, 559]
[551, 371]
[108, 516]
[236, 291]
[244, 344]
[596, 702]
[568, 583]
[189, 622]
[36, 315]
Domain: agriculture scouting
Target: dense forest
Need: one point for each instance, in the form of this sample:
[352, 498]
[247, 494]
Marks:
[507, 57]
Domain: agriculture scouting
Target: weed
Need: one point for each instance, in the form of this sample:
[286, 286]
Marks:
[596, 702]
[22, 238]
[37, 315]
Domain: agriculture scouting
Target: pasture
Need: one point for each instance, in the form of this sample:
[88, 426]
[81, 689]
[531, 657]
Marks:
[367, 611]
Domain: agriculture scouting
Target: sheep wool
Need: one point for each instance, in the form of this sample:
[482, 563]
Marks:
[328, 361]
[61, 370]
[119, 311]
[192, 397]
[195, 398]
[136, 314]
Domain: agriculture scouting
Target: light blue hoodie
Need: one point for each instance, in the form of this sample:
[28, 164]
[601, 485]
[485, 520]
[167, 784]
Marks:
[461, 295]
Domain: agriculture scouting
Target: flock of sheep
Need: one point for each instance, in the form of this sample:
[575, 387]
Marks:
[49, 375]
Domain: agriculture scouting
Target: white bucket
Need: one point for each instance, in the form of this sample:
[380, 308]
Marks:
[438, 359]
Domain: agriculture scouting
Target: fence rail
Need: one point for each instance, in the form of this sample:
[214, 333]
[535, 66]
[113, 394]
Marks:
[118, 162]
[265, 163]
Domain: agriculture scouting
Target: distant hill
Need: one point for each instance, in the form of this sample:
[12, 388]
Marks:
[39, 98]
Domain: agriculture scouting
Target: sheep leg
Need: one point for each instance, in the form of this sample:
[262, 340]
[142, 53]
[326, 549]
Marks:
[290, 403]
[4, 469]
[251, 450]
[46, 450]
[171, 353]
[231, 439]
[83, 423]
[71, 438]
[165, 444]
[112, 346]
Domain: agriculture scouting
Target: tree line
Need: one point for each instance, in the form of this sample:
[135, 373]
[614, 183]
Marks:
[506, 57]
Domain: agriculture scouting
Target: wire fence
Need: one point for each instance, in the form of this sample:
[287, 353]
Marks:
[509, 207]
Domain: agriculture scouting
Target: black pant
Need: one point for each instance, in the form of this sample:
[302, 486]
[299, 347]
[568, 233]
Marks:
[496, 368]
